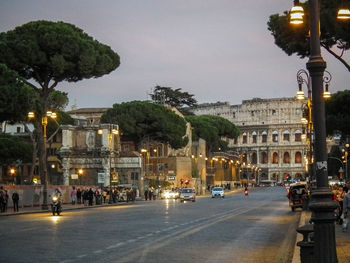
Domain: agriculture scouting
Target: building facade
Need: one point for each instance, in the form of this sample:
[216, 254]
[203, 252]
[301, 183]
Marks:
[272, 135]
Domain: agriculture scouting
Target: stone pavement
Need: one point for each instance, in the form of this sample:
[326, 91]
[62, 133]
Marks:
[342, 241]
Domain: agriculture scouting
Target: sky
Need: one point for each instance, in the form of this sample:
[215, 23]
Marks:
[218, 50]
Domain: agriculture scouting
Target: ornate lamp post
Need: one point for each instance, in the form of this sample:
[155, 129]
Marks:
[43, 155]
[321, 204]
[112, 131]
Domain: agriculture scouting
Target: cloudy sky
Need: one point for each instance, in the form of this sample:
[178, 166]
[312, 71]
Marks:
[218, 50]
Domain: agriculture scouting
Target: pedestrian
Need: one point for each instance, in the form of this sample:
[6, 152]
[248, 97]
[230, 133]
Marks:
[73, 196]
[90, 196]
[150, 194]
[346, 210]
[15, 199]
[104, 195]
[146, 195]
[85, 197]
[6, 201]
[2, 199]
[79, 196]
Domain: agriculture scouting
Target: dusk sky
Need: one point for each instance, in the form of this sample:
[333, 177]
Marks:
[218, 50]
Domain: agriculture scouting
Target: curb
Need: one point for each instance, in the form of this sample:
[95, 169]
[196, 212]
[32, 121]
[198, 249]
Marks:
[296, 254]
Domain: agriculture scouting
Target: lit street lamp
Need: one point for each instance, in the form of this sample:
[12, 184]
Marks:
[304, 78]
[43, 154]
[321, 205]
[113, 130]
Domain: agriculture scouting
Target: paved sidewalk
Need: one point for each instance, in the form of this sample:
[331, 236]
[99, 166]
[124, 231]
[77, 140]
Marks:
[342, 241]
[65, 207]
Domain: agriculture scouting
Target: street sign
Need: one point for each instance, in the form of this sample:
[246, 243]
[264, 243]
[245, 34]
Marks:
[101, 178]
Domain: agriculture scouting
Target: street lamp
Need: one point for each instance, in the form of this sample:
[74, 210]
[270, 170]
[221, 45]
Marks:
[321, 205]
[346, 153]
[112, 131]
[304, 78]
[43, 155]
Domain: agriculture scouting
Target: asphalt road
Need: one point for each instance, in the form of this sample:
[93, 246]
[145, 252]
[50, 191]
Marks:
[258, 228]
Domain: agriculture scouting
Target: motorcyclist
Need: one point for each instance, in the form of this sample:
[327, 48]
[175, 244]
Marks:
[246, 191]
[56, 200]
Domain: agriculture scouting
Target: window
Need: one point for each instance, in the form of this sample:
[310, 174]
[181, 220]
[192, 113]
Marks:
[286, 157]
[275, 158]
[298, 136]
[254, 158]
[244, 138]
[264, 136]
[135, 176]
[275, 136]
[274, 113]
[298, 158]
[264, 157]
[18, 129]
[254, 137]
[286, 136]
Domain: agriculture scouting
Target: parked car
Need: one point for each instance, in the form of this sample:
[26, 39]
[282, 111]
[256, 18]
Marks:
[187, 194]
[217, 192]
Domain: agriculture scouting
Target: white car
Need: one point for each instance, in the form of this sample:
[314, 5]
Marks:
[167, 194]
[217, 192]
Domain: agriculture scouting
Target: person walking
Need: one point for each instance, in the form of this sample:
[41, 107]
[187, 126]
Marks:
[73, 196]
[79, 196]
[90, 196]
[15, 199]
[346, 209]
[146, 195]
[6, 201]
[2, 199]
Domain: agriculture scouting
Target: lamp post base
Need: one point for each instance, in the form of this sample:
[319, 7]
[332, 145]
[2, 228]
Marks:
[322, 207]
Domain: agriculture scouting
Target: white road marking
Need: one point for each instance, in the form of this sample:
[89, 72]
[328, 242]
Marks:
[81, 256]
[98, 251]
[131, 240]
[116, 245]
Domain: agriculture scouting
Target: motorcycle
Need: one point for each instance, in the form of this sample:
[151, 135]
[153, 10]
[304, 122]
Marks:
[246, 192]
[56, 205]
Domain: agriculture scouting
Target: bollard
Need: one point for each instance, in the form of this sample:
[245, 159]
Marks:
[306, 245]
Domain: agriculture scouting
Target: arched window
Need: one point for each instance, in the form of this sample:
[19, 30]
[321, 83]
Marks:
[254, 159]
[275, 158]
[264, 157]
[286, 157]
[264, 136]
[244, 138]
[298, 136]
[254, 135]
[298, 157]
[286, 136]
[275, 136]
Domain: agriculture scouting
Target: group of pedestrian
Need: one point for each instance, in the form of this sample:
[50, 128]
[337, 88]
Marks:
[151, 194]
[4, 199]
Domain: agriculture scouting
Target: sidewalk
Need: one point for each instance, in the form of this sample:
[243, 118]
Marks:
[65, 207]
[342, 241]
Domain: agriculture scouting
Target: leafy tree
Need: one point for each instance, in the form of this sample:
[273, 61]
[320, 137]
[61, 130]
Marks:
[141, 121]
[13, 148]
[175, 98]
[16, 97]
[212, 129]
[48, 53]
[337, 114]
[294, 39]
